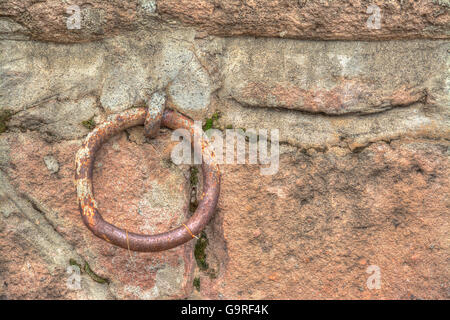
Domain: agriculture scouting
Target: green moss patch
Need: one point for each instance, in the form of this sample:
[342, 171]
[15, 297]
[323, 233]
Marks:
[72, 262]
[197, 283]
[88, 271]
[93, 275]
[89, 124]
[199, 252]
[211, 123]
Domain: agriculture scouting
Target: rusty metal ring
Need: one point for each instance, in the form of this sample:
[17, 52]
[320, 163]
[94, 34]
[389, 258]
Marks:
[132, 241]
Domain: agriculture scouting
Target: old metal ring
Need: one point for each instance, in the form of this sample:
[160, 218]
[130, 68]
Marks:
[120, 237]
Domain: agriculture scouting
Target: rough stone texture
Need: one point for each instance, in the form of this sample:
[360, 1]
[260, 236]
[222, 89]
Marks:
[137, 188]
[302, 19]
[309, 19]
[34, 256]
[333, 77]
[364, 137]
[113, 75]
[306, 97]
[47, 20]
[312, 229]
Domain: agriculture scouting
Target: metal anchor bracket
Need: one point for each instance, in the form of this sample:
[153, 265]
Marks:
[152, 117]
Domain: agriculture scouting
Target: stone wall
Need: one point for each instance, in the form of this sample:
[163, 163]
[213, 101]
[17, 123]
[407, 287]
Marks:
[363, 117]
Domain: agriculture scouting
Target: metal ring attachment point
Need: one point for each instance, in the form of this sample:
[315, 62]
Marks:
[120, 237]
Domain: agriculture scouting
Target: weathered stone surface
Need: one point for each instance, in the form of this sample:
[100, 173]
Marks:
[113, 75]
[47, 20]
[34, 256]
[363, 178]
[57, 120]
[320, 132]
[311, 19]
[311, 230]
[136, 188]
[12, 30]
[334, 77]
